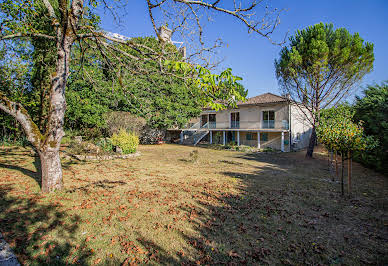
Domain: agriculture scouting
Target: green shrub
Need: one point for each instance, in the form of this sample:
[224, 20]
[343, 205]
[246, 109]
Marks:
[66, 140]
[105, 144]
[127, 141]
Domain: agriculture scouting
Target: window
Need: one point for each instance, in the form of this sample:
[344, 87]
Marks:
[235, 120]
[264, 136]
[249, 136]
[204, 120]
[268, 119]
[212, 120]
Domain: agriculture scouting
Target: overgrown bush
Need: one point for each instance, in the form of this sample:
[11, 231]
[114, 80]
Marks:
[127, 141]
[83, 148]
[115, 121]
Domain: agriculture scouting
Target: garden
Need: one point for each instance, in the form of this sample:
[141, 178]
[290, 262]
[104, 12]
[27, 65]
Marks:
[182, 205]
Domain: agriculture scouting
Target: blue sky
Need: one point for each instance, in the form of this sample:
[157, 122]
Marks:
[252, 57]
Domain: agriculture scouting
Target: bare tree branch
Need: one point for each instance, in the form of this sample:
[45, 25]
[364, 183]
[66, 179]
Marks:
[27, 35]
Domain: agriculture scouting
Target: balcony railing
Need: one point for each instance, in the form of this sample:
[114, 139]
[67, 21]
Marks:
[268, 124]
[265, 124]
[235, 124]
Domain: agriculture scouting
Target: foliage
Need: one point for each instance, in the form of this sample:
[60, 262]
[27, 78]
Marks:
[127, 141]
[163, 100]
[115, 121]
[320, 67]
[372, 110]
[84, 147]
[339, 133]
[218, 90]
[105, 144]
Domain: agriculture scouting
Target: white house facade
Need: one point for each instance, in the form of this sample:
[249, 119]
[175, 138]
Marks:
[264, 121]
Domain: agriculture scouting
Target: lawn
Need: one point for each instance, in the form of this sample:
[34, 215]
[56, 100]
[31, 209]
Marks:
[167, 207]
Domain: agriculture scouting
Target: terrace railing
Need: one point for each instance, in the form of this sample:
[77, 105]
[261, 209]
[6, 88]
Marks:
[235, 124]
[268, 124]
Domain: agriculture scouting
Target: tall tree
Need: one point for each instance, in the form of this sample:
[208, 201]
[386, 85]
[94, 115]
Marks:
[68, 24]
[320, 68]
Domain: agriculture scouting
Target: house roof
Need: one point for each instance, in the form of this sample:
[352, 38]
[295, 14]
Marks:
[263, 98]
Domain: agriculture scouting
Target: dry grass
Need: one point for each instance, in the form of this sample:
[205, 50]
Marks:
[165, 208]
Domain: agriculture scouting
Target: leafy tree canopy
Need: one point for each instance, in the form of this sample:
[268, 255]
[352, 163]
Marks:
[97, 87]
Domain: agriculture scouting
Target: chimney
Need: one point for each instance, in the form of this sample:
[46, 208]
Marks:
[165, 34]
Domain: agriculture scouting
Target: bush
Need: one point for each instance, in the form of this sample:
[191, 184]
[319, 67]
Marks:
[83, 148]
[128, 142]
[115, 121]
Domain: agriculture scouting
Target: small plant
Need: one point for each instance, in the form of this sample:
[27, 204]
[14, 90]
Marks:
[193, 156]
[127, 141]
[105, 144]
[66, 140]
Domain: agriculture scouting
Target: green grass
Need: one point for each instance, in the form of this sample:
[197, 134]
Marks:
[164, 207]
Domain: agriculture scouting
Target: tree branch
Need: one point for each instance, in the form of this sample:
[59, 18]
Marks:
[27, 35]
[17, 111]
[51, 12]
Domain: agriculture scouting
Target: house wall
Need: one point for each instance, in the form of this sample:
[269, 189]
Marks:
[274, 140]
[300, 127]
[251, 116]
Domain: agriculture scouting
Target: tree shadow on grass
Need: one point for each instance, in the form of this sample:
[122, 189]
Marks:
[104, 184]
[278, 217]
[27, 225]
[34, 175]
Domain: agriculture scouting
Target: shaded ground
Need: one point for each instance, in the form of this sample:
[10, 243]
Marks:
[166, 207]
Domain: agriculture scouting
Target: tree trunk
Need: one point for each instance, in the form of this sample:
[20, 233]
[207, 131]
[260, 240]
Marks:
[331, 166]
[312, 142]
[48, 143]
[349, 172]
[342, 174]
[51, 171]
[336, 165]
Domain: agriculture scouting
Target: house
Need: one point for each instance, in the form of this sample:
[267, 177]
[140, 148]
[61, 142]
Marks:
[264, 121]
